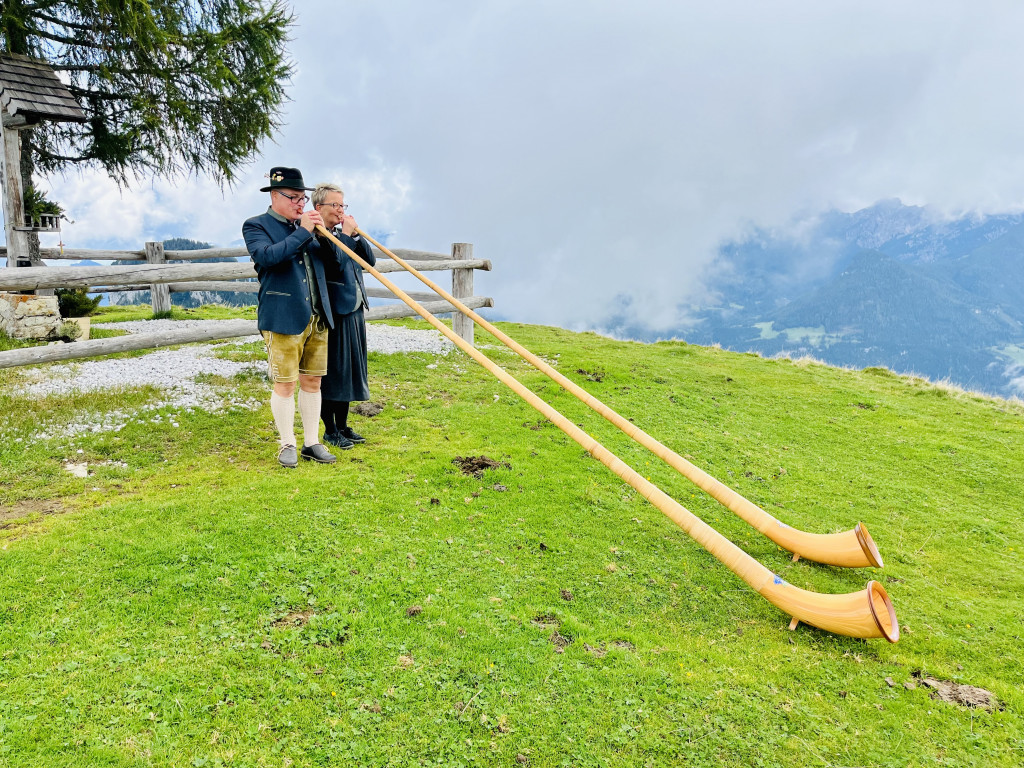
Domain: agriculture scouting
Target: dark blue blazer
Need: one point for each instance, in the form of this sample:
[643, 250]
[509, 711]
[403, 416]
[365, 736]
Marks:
[276, 249]
[344, 275]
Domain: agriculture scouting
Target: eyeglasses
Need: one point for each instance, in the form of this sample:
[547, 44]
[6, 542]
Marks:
[337, 206]
[294, 198]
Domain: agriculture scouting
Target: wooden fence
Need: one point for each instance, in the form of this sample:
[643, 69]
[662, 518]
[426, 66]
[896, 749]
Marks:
[161, 278]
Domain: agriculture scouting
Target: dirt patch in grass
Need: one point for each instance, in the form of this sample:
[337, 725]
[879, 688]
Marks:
[598, 652]
[545, 620]
[26, 507]
[597, 375]
[294, 619]
[367, 409]
[559, 640]
[477, 465]
[550, 621]
[601, 651]
[961, 695]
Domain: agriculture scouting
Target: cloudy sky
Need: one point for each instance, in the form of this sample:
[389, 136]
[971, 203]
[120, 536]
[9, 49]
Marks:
[594, 150]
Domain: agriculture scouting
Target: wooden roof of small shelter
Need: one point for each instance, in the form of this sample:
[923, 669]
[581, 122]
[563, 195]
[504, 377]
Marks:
[30, 91]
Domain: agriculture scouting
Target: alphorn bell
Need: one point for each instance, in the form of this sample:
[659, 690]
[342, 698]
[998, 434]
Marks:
[852, 549]
[866, 614]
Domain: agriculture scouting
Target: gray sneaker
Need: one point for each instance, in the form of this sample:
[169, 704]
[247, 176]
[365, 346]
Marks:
[318, 453]
[288, 457]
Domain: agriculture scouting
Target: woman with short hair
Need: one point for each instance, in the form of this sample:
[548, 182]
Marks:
[346, 379]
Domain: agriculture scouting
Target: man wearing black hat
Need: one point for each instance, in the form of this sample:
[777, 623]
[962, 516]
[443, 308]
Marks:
[294, 311]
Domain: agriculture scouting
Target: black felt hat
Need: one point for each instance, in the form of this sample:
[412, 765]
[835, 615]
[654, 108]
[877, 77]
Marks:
[285, 178]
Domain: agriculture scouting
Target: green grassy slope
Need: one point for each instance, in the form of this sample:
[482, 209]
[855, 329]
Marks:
[189, 603]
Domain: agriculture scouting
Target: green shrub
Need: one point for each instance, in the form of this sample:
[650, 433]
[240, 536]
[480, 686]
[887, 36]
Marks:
[69, 331]
[37, 205]
[76, 302]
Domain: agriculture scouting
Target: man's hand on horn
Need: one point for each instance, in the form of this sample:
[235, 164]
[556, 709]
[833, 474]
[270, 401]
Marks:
[310, 219]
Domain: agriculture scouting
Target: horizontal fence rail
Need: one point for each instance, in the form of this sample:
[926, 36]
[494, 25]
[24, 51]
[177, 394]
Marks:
[162, 273]
[32, 278]
[248, 287]
[230, 329]
[83, 254]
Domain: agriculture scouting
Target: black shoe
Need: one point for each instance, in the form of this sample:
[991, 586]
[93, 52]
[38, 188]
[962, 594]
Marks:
[338, 440]
[355, 437]
[318, 453]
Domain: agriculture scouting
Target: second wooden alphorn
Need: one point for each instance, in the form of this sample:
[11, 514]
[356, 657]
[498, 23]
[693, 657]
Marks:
[851, 549]
[866, 614]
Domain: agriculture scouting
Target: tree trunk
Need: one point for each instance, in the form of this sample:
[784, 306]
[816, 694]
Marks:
[17, 42]
[14, 29]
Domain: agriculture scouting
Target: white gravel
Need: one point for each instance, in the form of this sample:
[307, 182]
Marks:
[167, 369]
[388, 339]
[175, 371]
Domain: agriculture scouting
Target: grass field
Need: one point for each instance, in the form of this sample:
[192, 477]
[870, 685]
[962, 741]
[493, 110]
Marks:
[189, 603]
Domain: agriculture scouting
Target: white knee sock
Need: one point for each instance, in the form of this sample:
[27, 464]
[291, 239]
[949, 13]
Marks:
[309, 410]
[283, 409]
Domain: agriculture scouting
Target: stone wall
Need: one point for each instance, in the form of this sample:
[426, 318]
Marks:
[29, 317]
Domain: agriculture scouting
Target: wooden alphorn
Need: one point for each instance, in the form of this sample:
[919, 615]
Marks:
[866, 614]
[852, 549]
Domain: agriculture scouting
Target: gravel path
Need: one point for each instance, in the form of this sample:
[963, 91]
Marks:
[379, 338]
[176, 370]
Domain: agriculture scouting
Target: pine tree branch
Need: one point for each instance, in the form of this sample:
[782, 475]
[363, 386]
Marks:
[43, 4]
[70, 24]
[79, 67]
[69, 41]
[169, 85]
[119, 71]
[50, 156]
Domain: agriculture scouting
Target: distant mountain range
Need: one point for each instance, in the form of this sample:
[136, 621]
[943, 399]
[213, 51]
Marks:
[891, 285]
[188, 299]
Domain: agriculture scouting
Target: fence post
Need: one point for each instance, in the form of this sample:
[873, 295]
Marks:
[159, 293]
[462, 288]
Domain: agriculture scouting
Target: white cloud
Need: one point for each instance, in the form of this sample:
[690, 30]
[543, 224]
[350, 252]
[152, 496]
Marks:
[593, 151]
[104, 216]
[379, 193]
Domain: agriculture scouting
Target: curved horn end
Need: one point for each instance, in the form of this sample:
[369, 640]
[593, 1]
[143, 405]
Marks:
[868, 545]
[866, 613]
[882, 612]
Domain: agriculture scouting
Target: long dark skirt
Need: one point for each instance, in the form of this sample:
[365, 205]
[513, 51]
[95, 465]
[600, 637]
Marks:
[346, 360]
